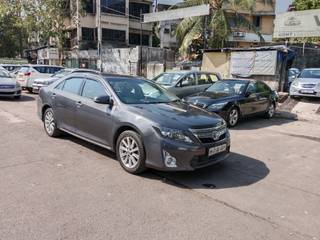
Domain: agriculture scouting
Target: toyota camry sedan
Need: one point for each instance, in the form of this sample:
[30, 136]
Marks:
[236, 98]
[145, 125]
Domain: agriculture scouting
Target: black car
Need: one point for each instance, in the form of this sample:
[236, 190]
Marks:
[234, 98]
[139, 120]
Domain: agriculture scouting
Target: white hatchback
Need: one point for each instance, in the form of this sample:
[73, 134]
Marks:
[28, 73]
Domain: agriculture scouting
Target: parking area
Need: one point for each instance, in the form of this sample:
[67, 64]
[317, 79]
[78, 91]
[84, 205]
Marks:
[66, 188]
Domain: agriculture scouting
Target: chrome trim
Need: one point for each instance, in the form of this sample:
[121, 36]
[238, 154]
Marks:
[86, 139]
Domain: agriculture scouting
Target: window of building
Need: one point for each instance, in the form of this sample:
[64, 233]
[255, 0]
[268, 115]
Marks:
[88, 34]
[89, 6]
[113, 35]
[136, 8]
[117, 7]
[134, 39]
[257, 21]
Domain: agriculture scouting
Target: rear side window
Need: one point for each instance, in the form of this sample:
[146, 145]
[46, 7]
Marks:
[72, 85]
[93, 89]
[203, 79]
[214, 78]
[262, 87]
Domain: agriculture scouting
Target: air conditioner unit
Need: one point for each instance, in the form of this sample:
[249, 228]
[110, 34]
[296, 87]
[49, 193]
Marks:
[239, 34]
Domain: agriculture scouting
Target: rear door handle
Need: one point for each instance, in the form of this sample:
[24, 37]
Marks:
[53, 96]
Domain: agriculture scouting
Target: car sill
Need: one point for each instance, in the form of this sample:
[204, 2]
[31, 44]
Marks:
[86, 139]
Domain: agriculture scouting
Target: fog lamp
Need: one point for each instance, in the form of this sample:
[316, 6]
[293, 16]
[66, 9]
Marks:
[169, 161]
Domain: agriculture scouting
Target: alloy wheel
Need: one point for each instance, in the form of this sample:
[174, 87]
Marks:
[49, 122]
[129, 152]
[233, 117]
[271, 110]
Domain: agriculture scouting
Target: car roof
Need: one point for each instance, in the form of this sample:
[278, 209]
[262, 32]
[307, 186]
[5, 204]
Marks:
[189, 71]
[40, 65]
[311, 69]
[239, 79]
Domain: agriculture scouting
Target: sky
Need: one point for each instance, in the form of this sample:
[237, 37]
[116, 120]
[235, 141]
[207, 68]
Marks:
[282, 5]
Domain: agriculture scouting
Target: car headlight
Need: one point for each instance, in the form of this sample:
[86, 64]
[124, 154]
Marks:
[46, 83]
[174, 134]
[217, 106]
[295, 84]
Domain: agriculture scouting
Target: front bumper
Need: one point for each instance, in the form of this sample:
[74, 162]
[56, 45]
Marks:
[14, 92]
[304, 92]
[188, 157]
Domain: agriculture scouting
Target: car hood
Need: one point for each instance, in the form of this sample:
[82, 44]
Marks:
[205, 99]
[308, 80]
[176, 115]
[7, 80]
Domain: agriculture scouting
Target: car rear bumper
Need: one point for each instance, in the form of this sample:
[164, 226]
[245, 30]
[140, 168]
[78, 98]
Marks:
[188, 157]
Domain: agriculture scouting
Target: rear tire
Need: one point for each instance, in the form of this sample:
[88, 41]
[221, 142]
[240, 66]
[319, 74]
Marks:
[130, 152]
[233, 117]
[270, 111]
[49, 123]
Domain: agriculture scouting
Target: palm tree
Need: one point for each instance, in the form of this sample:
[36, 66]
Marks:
[224, 14]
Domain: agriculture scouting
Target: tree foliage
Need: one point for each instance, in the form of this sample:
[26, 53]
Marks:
[306, 4]
[224, 15]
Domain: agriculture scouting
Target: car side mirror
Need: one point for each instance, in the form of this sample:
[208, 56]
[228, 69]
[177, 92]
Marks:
[105, 99]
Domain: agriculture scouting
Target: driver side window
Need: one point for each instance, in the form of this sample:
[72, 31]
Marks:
[252, 88]
[188, 80]
[92, 89]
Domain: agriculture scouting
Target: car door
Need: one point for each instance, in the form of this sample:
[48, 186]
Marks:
[65, 98]
[263, 92]
[203, 81]
[186, 86]
[94, 120]
[250, 103]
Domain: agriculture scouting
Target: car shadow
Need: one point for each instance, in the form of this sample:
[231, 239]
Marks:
[238, 171]
[259, 122]
[24, 98]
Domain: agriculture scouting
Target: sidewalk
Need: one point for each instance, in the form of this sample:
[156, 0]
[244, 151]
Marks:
[303, 110]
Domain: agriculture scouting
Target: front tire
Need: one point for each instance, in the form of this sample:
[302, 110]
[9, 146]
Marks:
[49, 123]
[130, 152]
[233, 117]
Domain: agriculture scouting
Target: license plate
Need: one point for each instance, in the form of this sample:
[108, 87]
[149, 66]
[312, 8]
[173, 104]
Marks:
[216, 150]
[307, 91]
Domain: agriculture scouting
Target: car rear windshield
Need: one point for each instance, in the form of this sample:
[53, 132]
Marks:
[228, 87]
[139, 91]
[47, 69]
[308, 73]
[62, 73]
[168, 79]
[24, 69]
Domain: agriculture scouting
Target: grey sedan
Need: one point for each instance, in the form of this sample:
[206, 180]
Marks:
[186, 83]
[307, 84]
[145, 125]
[9, 87]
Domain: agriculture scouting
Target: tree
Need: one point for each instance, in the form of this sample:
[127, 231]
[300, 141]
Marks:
[224, 14]
[306, 4]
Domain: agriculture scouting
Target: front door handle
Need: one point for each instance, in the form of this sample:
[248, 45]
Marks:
[53, 96]
[79, 104]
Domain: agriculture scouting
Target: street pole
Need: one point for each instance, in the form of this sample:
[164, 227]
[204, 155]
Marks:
[99, 35]
[141, 41]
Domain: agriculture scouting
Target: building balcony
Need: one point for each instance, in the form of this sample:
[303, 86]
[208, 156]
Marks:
[248, 37]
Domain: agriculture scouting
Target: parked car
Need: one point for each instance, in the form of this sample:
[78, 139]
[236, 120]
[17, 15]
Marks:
[28, 73]
[41, 82]
[186, 83]
[12, 68]
[8, 85]
[307, 84]
[145, 125]
[236, 98]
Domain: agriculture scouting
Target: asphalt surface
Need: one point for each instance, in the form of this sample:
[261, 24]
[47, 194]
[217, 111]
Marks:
[68, 189]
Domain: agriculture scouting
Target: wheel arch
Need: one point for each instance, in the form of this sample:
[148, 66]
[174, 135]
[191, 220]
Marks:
[44, 108]
[121, 129]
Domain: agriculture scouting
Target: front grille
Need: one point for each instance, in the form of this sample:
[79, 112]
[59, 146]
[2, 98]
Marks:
[308, 85]
[7, 93]
[210, 135]
[201, 105]
[7, 86]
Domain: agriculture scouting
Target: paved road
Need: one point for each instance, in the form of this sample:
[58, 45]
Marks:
[68, 189]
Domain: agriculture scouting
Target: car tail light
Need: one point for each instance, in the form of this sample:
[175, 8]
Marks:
[27, 74]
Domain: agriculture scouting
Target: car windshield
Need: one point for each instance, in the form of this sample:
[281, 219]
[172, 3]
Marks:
[168, 79]
[4, 73]
[228, 87]
[308, 73]
[139, 91]
[62, 73]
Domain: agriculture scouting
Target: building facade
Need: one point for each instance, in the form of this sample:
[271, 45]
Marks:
[113, 23]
